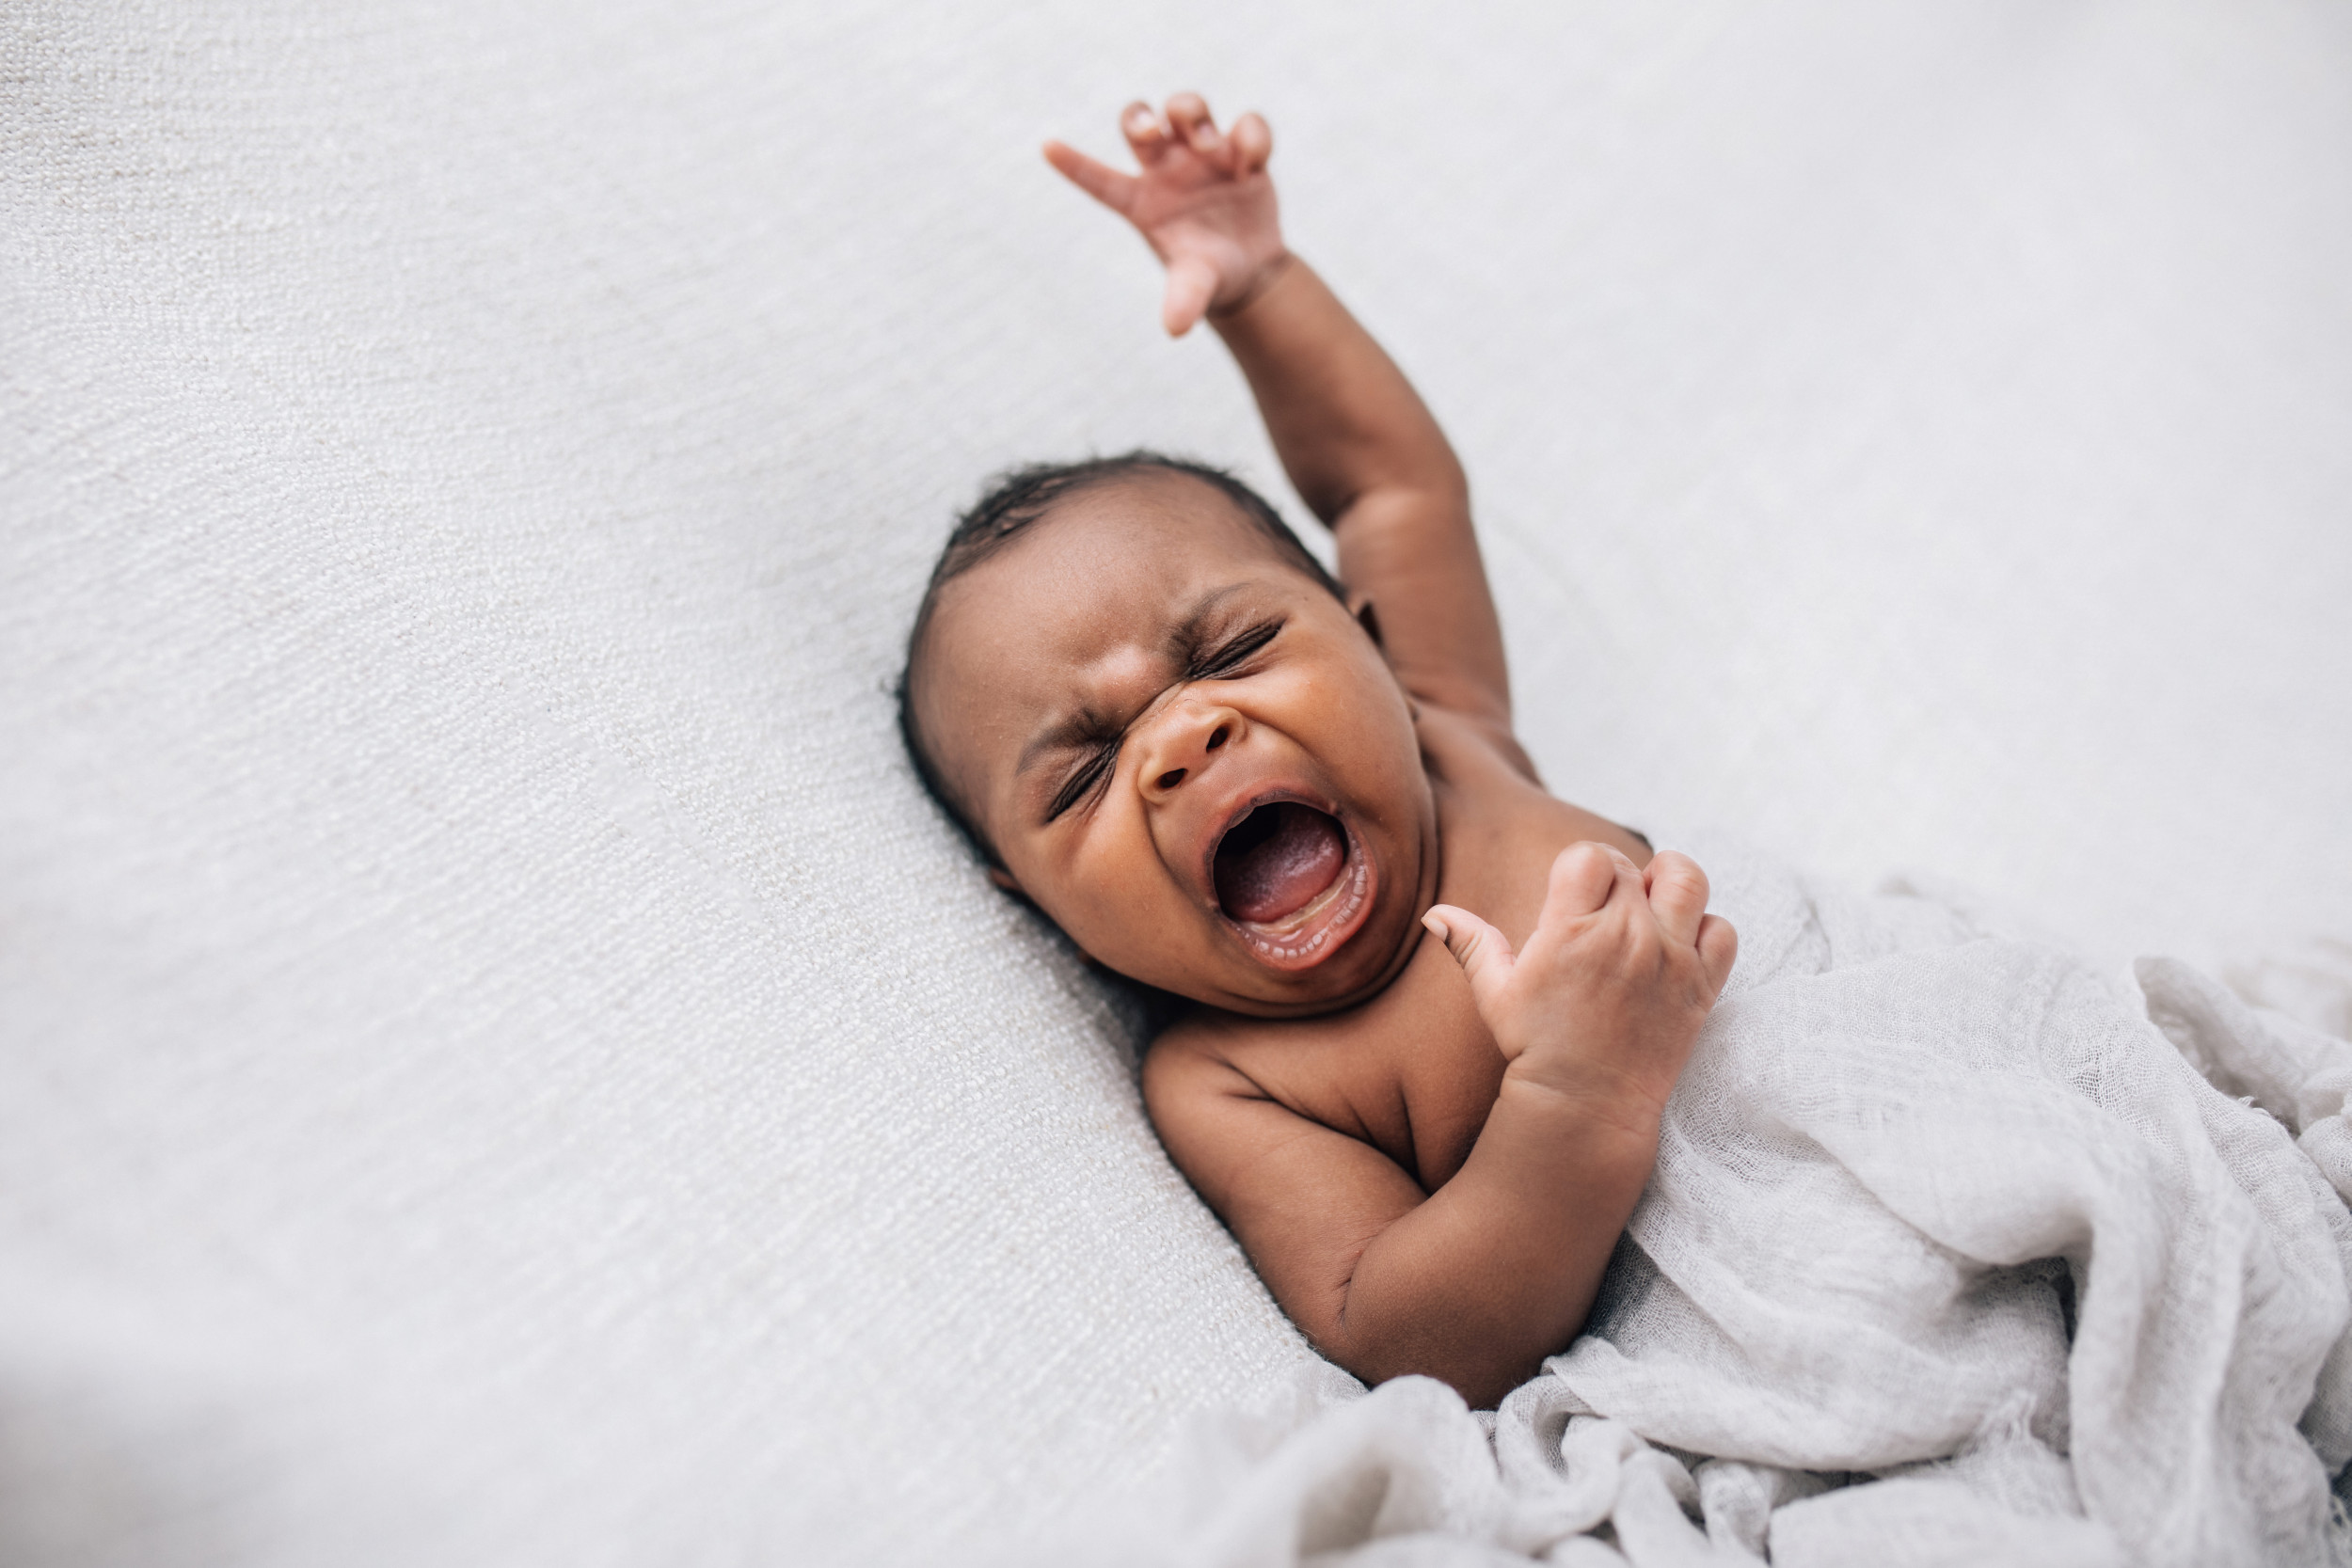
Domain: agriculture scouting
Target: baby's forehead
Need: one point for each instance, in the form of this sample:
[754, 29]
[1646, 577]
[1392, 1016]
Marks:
[1108, 580]
[1126, 545]
[1158, 516]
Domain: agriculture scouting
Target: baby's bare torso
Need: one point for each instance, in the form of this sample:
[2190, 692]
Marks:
[1413, 1072]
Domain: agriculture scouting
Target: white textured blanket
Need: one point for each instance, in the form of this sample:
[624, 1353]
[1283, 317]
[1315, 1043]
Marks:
[1950, 1256]
[499, 1062]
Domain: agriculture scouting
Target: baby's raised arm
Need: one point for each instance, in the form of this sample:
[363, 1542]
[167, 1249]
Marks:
[1354, 437]
[1476, 1280]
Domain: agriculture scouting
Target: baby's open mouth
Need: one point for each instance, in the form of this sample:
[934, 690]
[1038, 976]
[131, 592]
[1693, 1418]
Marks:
[1294, 880]
[1273, 861]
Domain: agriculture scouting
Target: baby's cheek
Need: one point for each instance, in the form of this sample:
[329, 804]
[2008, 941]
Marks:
[1110, 924]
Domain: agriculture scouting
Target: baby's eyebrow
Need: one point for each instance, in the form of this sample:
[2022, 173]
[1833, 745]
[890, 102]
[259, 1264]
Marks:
[1063, 736]
[1077, 729]
[1194, 629]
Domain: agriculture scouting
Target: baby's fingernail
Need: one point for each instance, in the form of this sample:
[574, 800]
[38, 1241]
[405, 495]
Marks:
[1435, 926]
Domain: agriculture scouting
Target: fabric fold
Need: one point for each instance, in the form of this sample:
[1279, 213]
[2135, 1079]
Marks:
[1956, 1251]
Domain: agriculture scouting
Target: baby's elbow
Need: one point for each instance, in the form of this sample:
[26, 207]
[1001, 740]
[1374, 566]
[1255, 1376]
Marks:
[1486, 1387]
[1470, 1363]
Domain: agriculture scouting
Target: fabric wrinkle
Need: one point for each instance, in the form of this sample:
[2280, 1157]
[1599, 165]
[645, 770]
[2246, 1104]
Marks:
[1954, 1252]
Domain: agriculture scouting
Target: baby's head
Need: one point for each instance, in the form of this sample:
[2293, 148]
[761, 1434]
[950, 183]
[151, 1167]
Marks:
[1157, 718]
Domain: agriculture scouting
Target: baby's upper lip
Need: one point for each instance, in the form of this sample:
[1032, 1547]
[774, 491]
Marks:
[1245, 801]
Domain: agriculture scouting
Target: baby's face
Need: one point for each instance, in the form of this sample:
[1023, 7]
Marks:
[1185, 750]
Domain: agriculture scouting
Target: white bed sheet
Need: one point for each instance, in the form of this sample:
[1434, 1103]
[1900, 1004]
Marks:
[497, 1061]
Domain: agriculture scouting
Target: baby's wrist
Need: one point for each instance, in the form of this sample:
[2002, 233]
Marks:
[1596, 1105]
[1260, 283]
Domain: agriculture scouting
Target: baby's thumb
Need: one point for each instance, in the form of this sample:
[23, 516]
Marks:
[1484, 953]
[1191, 284]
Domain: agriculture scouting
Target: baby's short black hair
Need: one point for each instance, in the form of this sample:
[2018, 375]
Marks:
[1019, 497]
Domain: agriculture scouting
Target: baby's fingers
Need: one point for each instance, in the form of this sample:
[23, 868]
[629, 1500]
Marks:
[1146, 136]
[1253, 144]
[1100, 181]
[1583, 877]
[1188, 120]
[1191, 284]
[1677, 895]
[1484, 953]
[1719, 949]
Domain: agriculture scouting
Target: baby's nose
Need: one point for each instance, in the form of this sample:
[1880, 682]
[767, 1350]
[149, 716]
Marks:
[1186, 745]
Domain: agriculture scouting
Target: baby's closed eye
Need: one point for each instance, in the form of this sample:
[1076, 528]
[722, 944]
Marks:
[1090, 776]
[1232, 654]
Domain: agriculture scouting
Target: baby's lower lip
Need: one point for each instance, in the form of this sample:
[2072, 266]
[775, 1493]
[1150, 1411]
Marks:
[1304, 939]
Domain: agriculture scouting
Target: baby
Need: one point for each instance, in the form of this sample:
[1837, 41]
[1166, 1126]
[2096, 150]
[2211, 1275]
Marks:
[1228, 776]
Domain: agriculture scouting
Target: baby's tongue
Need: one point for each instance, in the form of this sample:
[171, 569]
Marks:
[1276, 859]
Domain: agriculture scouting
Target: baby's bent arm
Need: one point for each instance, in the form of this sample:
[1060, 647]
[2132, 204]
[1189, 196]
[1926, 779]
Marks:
[1352, 434]
[1476, 1282]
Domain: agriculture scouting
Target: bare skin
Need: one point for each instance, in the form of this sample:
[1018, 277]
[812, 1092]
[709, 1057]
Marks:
[1428, 1149]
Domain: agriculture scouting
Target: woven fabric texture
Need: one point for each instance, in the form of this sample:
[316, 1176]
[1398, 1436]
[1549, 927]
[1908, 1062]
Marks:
[498, 1060]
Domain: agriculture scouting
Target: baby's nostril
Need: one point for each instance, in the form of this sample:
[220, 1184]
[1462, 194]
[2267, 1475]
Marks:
[1217, 737]
[1171, 779]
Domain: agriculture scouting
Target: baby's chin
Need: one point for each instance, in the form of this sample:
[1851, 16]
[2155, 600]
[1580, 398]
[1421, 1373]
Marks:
[1353, 970]
[1332, 991]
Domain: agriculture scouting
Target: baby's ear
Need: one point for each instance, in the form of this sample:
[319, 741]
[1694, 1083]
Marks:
[1360, 606]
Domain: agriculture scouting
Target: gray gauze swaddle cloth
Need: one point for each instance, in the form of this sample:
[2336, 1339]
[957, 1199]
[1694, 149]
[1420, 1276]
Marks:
[1950, 1255]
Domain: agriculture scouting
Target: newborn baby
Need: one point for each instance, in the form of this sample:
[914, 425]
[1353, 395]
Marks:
[1227, 775]
[1944, 1239]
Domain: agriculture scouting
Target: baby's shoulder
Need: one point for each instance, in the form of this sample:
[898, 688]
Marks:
[1200, 1090]
[1406, 1071]
[1208, 1053]
[1493, 806]
[1188, 1051]
[1472, 749]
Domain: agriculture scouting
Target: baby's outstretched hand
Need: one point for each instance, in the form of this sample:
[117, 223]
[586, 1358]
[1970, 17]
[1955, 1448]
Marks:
[1608, 997]
[1203, 202]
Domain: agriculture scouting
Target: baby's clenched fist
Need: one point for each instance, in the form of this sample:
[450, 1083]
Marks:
[1605, 1000]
